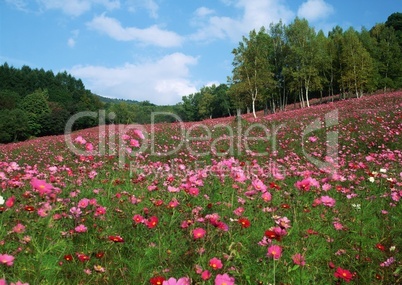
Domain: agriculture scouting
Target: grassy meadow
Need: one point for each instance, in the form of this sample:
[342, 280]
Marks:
[305, 196]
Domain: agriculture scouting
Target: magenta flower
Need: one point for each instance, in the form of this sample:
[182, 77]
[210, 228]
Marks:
[199, 233]
[224, 279]
[41, 186]
[215, 263]
[6, 259]
[10, 202]
[81, 228]
[205, 275]
[173, 281]
[274, 251]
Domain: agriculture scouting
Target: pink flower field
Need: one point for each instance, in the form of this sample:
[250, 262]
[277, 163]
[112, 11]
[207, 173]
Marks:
[305, 196]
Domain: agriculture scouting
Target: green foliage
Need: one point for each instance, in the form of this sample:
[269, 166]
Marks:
[302, 64]
[14, 125]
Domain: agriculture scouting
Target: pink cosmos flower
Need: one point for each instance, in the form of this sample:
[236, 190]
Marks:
[172, 189]
[274, 251]
[139, 134]
[259, 185]
[239, 211]
[193, 191]
[215, 263]
[89, 147]
[152, 222]
[224, 279]
[303, 185]
[174, 203]
[138, 219]
[80, 140]
[100, 211]
[41, 186]
[239, 176]
[76, 212]
[3, 282]
[328, 201]
[83, 203]
[81, 228]
[173, 281]
[10, 202]
[205, 275]
[312, 139]
[299, 259]
[266, 196]
[134, 143]
[338, 226]
[19, 228]
[199, 233]
[6, 259]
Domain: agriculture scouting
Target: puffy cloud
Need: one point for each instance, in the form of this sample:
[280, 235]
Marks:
[314, 10]
[151, 35]
[162, 81]
[203, 11]
[255, 14]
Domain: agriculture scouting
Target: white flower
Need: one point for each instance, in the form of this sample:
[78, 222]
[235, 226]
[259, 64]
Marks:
[371, 179]
[356, 206]
[383, 170]
[1, 200]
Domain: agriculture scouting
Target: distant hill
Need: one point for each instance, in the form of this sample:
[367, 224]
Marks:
[116, 101]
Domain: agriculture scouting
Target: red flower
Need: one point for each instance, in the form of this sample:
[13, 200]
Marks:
[244, 222]
[68, 257]
[380, 247]
[152, 222]
[272, 235]
[157, 280]
[116, 238]
[285, 206]
[99, 254]
[29, 208]
[312, 232]
[343, 274]
[82, 257]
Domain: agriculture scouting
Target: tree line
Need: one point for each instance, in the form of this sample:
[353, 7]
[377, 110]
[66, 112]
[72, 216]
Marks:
[286, 64]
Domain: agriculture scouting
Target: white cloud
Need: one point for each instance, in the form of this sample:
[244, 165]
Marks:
[78, 7]
[71, 42]
[149, 5]
[203, 11]
[256, 13]
[151, 35]
[162, 81]
[314, 10]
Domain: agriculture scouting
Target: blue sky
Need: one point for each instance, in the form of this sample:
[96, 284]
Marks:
[156, 50]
